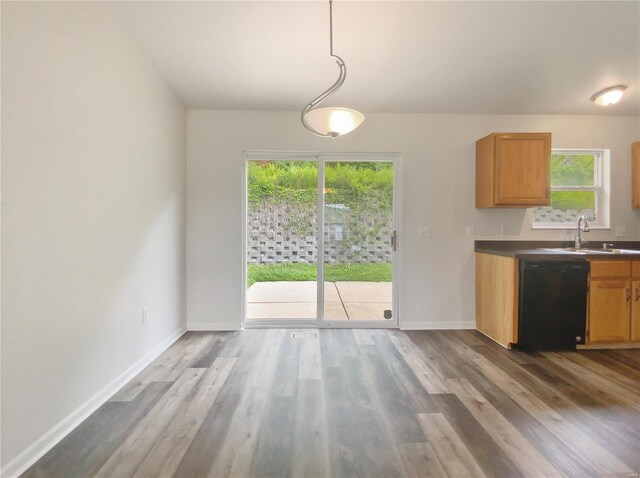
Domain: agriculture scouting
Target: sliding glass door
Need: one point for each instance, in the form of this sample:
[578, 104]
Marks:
[321, 241]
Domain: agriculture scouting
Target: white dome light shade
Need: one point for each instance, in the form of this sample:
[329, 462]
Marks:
[334, 121]
[609, 96]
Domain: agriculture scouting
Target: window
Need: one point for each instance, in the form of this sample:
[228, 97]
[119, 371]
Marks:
[577, 188]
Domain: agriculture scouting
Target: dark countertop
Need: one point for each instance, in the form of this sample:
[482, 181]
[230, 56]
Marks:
[536, 250]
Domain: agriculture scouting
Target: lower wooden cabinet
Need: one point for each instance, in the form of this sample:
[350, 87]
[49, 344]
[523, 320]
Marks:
[497, 298]
[614, 302]
[609, 311]
[613, 305]
[635, 311]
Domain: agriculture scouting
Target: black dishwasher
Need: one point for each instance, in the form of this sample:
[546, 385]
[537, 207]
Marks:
[553, 304]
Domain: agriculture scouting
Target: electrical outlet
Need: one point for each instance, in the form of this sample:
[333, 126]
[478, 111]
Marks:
[423, 231]
[471, 231]
[503, 230]
[145, 316]
[621, 231]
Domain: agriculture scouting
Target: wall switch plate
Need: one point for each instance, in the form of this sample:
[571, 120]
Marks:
[145, 316]
[423, 231]
[471, 231]
[621, 231]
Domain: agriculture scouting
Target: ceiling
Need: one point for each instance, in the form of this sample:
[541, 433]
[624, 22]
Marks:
[413, 57]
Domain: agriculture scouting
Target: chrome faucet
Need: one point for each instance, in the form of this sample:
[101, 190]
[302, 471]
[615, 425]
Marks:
[583, 226]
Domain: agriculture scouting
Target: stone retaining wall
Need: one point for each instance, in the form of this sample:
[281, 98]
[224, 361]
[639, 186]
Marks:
[286, 233]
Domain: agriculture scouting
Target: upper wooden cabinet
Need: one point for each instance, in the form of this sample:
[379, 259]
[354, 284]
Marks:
[635, 175]
[512, 170]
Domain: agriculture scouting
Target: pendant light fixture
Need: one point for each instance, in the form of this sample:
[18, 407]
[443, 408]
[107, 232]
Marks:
[333, 121]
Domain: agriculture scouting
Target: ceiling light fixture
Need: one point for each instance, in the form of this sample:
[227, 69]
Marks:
[608, 96]
[333, 121]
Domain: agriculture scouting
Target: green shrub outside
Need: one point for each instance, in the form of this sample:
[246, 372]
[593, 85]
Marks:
[297, 181]
[572, 170]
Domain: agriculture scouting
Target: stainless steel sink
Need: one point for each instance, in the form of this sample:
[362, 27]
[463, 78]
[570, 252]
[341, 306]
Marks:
[584, 251]
[565, 250]
[618, 251]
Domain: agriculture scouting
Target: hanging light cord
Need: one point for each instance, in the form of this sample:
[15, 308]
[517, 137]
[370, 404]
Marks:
[323, 96]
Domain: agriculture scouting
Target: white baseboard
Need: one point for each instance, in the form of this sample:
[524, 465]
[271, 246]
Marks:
[213, 326]
[442, 325]
[46, 442]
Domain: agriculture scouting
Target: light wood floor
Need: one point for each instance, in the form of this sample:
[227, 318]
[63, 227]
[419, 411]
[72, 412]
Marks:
[362, 403]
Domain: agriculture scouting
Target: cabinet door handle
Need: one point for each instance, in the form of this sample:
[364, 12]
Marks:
[546, 193]
[628, 294]
[637, 294]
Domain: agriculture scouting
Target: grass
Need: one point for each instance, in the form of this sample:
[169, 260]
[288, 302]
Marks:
[375, 272]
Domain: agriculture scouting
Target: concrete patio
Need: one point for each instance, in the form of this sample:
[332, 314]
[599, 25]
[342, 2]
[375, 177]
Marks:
[297, 300]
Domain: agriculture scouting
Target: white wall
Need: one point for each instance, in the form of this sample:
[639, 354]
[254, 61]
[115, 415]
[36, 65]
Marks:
[93, 215]
[437, 287]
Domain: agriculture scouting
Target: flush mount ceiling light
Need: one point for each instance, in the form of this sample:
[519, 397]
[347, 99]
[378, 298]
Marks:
[609, 96]
[333, 121]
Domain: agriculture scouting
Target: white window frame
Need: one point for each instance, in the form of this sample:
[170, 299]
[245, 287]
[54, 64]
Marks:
[601, 187]
[321, 159]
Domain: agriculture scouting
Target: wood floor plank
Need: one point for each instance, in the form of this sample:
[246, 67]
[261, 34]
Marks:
[600, 375]
[85, 450]
[431, 380]
[628, 357]
[528, 459]
[361, 403]
[549, 388]
[451, 451]
[208, 443]
[420, 461]
[273, 457]
[310, 360]
[363, 337]
[169, 366]
[614, 364]
[207, 356]
[311, 455]
[172, 444]
[411, 389]
[360, 444]
[613, 436]
[288, 367]
[553, 448]
[604, 413]
[336, 345]
[589, 451]
[132, 452]
[389, 398]
[238, 445]
[493, 461]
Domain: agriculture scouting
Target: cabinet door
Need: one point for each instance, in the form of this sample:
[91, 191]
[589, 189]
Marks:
[635, 311]
[522, 163]
[609, 310]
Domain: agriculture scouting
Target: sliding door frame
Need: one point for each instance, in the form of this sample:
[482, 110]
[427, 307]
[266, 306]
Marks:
[321, 159]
